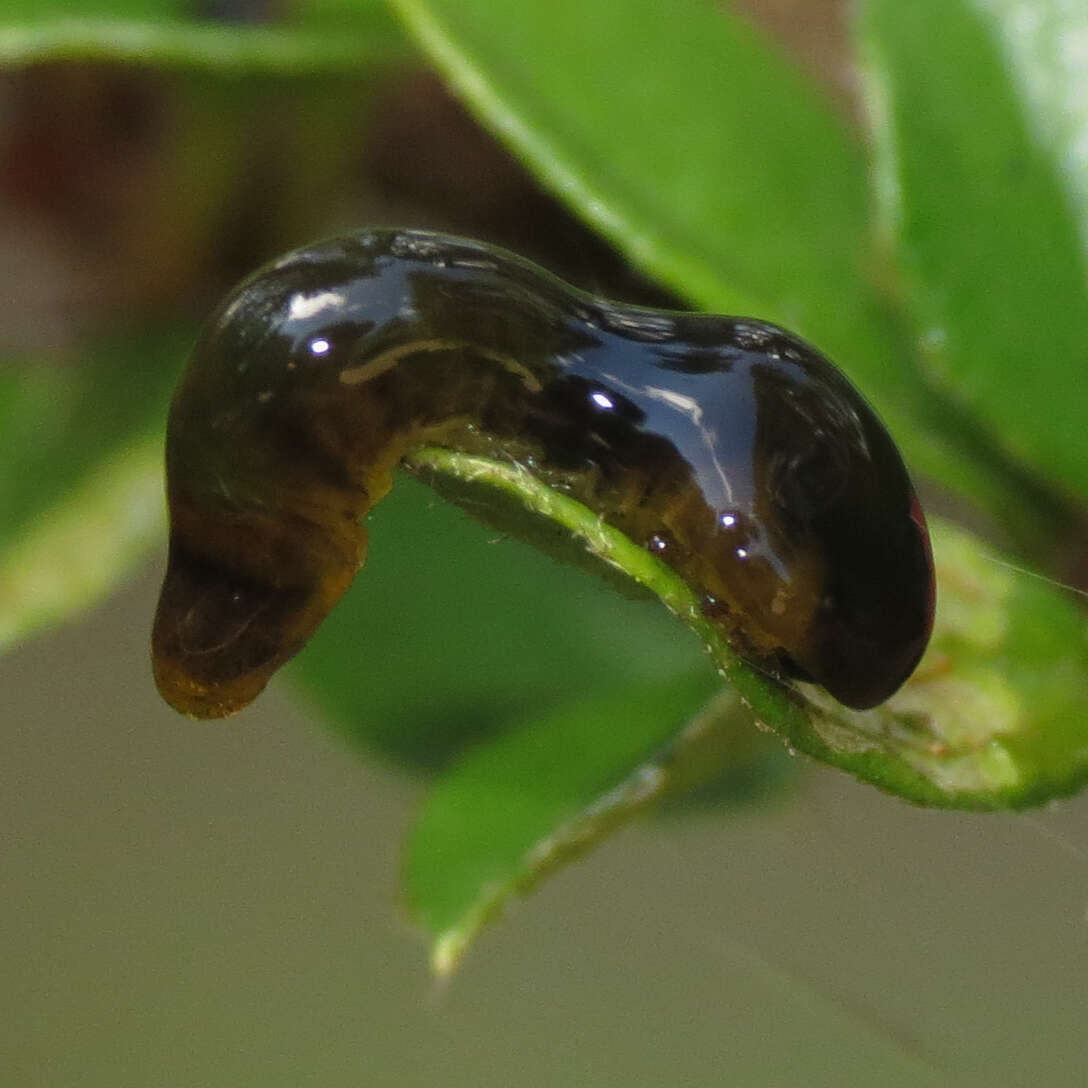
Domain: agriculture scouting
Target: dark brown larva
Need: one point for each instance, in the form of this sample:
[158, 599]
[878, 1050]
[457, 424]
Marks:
[728, 446]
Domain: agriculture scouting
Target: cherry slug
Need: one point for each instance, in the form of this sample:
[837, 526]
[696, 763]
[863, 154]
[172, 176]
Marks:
[729, 447]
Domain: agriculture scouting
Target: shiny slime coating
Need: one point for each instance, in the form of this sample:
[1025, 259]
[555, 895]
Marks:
[728, 447]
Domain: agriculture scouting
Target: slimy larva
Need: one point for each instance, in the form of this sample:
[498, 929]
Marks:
[728, 446]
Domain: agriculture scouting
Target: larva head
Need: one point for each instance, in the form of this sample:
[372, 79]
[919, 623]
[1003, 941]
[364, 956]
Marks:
[837, 502]
[791, 512]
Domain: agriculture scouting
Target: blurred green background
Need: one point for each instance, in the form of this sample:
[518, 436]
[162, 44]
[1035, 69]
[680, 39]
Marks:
[186, 904]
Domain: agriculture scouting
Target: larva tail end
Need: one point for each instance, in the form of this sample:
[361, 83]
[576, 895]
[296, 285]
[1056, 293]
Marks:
[219, 635]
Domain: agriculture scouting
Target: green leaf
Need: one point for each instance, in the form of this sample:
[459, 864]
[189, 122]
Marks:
[453, 631]
[983, 193]
[80, 475]
[538, 797]
[683, 137]
[996, 715]
[1043, 44]
[89, 538]
[319, 37]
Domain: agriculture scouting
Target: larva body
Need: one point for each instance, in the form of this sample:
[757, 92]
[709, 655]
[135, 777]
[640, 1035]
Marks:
[727, 446]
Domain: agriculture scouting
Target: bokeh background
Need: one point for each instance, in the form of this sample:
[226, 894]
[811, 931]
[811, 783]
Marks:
[186, 905]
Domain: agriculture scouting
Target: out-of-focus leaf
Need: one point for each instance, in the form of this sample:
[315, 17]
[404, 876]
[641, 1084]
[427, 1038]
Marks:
[679, 133]
[982, 179]
[453, 631]
[996, 716]
[721, 763]
[317, 36]
[80, 547]
[1044, 44]
[80, 475]
[538, 797]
